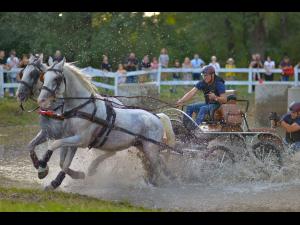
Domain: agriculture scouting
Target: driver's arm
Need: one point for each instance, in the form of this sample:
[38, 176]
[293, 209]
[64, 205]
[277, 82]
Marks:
[222, 99]
[290, 128]
[187, 96]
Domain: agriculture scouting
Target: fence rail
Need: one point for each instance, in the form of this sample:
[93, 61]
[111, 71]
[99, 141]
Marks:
[114, 75]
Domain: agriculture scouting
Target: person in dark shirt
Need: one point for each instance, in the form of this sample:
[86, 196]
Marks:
[291, 123]
[213, 88]
[58, 56]
[131, 65]
[105, 64]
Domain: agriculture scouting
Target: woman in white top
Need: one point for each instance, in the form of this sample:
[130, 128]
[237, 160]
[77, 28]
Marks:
[215, 64]
[268, 66]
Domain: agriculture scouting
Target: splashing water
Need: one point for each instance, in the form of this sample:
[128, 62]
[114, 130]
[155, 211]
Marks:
[202, 185]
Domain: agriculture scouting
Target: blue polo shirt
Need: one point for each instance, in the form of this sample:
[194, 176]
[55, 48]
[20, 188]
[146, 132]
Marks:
[288, 119]
[218, 89]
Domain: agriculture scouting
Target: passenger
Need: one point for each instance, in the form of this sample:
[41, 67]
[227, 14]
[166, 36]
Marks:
[291, 123]
[213, 88]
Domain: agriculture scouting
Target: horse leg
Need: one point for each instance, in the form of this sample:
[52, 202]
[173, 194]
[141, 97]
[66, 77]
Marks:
[72, 173]
[93, 166]
[69, 141]
[41, 137]
[155, 163]
[65, 168]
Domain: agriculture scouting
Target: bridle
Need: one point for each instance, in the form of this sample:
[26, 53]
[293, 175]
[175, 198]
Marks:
[37, 73]
[58, 80]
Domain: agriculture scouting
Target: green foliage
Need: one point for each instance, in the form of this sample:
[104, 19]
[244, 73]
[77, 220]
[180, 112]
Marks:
[86, 36]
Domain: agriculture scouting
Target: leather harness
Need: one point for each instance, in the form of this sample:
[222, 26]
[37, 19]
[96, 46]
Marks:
[101, 134]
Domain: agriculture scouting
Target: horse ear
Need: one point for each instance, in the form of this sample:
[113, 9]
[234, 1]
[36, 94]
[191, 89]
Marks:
[50, 61]
[31, 58]
[41, 57]
[60, 65]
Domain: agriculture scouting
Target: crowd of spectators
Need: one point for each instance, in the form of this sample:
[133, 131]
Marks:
[11, 61]
[131, 63]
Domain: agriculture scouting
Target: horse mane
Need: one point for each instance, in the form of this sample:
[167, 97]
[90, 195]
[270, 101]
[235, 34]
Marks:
[85, 79]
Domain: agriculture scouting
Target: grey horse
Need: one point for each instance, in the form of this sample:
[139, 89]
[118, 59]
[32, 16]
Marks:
[50, 128]
[144, 130]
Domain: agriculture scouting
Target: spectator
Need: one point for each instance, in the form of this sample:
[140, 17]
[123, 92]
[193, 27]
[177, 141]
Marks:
[164, 62]
[145, 65]
[269, 65]
[58, 56]
[12, 63]
[230, 75]
[287, 68]
[187, 64]
[105, 66]
[196, 64]
[131, 65]
[24, 61]
[3, 65]
[256, 63]
[176, 76]
[164, 58]
[215, 64]
[122, 74]
[154, 66]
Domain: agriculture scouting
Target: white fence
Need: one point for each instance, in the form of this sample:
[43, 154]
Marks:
[99, 73]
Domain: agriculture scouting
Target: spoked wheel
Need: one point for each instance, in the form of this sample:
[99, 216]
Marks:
[268, 153]
[182, 130]
[220, 154]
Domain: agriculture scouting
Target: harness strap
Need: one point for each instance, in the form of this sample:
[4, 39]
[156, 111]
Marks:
[104, 131]
[87, 116]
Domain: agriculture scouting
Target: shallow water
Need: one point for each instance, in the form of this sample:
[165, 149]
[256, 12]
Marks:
[201, 185]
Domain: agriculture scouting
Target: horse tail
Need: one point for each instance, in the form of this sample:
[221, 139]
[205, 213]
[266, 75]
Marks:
[168, 130]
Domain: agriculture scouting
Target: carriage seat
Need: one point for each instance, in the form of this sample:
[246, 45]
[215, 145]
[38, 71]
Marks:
[229, 113]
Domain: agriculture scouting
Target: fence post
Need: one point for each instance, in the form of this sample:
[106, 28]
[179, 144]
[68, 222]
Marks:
[296, 76]
[158, 77]
[1, 82]
[116, 83]
[250, 81]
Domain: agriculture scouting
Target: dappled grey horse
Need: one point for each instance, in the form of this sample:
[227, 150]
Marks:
[99, 125]
[30, 85]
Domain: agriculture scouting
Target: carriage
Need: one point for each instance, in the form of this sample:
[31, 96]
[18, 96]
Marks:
[226, 137]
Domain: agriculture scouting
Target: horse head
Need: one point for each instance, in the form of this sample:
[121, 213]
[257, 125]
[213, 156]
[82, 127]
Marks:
[52, 87]
[31, 78]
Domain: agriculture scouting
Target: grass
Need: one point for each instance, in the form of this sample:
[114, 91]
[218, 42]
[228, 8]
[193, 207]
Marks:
[11, 114]
[33, 200]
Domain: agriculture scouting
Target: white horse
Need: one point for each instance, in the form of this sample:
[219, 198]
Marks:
[93, 122]
[30, 86]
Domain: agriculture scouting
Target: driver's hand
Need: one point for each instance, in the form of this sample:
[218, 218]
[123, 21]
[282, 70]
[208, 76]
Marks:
[179, 103]
[211, 96]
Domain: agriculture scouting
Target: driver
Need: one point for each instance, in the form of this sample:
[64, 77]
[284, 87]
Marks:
[213, 88]
[291, 123]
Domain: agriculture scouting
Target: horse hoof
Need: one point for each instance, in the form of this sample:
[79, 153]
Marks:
[49, 188]
[43, 172]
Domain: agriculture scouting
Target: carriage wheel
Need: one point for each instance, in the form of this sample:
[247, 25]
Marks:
[219, 154]
[268, 153]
